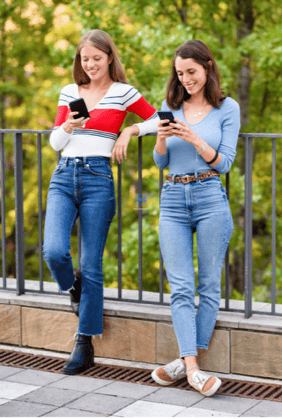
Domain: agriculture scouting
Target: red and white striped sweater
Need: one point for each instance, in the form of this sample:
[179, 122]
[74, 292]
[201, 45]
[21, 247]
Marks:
[97, 137]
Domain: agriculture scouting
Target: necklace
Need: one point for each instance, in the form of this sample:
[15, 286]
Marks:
[199, 113]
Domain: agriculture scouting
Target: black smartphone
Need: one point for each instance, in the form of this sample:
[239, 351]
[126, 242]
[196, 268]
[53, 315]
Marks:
[166, 115]
[79, 105]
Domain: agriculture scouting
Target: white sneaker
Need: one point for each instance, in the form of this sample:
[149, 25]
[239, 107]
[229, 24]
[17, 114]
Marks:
[199, 379]
[170, 373]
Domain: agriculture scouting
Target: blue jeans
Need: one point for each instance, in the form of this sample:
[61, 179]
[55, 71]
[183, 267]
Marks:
[84, 187]
[200, 207]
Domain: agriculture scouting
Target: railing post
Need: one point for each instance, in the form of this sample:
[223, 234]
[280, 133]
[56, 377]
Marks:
[248, 227]
[40, 221]
[227, 177]
[19, 212]
[119, 233]
[273, 228]
[161, 286]
[78, 243]
[140, 214]
[3, 212]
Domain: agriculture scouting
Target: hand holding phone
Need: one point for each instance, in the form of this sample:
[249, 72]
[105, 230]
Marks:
[166, 115]
[79, 106]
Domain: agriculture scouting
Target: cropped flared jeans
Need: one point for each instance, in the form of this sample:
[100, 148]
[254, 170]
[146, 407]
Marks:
[200, 207]
[84, 187]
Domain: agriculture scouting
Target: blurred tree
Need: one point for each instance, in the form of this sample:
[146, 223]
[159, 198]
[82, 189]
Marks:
[245, 38]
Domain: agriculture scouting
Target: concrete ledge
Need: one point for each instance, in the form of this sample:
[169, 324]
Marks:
[144, 333]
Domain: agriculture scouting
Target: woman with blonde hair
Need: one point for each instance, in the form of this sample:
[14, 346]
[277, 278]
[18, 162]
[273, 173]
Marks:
[82, 183]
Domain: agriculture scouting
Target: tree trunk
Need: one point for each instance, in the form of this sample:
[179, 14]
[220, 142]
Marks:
[245, 18]
[2, 78]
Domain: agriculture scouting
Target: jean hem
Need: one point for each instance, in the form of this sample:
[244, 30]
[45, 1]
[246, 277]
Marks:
[67, 290]
[203, 347]
[188, 354]
[90, 334]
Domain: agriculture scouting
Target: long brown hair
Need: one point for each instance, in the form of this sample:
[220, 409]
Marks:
[199, 52]
[103, 42]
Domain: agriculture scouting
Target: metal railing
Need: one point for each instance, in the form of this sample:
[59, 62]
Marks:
[19, 222]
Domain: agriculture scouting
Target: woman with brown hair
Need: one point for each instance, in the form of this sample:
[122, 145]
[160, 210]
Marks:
[82, 183]
[198, 147]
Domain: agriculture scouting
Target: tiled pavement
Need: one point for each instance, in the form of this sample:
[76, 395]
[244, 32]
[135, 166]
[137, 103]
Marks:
[30, 393]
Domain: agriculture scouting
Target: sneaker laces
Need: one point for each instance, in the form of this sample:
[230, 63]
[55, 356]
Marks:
[199, 378]
[174, 368]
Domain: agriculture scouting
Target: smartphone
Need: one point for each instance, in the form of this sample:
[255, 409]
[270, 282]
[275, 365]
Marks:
[166, 115]
[79, 105]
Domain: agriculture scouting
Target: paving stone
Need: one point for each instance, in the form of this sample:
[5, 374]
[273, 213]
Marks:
[100, 403]
[40, 378]
[148, 409]
[52, 396]
[175, 396]
[64, 412]
[194, 412]
[13, 390]
[17, 408]
[7, 371]
[227, 404]
[2, 401]
[135, 391]
[265, 408]
[85, 384]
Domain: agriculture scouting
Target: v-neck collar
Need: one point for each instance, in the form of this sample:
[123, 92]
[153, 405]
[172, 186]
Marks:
[92, 109]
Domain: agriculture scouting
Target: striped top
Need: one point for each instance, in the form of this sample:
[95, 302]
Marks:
[97, 136]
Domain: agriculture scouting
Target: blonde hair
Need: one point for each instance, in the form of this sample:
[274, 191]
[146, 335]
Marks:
[103, 42]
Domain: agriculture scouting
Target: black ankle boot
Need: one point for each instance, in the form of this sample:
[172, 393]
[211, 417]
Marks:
[75, 292]
[82, 356]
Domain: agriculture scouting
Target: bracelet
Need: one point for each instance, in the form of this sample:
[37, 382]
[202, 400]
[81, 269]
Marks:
[214, 159]
[203, 147]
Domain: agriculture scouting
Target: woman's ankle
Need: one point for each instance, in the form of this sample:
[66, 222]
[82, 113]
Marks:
[191, 365]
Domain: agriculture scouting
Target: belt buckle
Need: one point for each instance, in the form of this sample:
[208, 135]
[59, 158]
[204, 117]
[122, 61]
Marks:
[186, 178]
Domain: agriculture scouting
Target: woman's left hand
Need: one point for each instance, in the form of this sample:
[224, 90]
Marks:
[183, 131]
[120, 148]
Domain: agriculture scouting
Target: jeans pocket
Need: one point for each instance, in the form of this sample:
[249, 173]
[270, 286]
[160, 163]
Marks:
[58, 169]
[167, 185]
[99, 171]
[212, 181]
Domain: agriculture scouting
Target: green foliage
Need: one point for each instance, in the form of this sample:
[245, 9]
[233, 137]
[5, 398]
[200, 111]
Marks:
[38, 44]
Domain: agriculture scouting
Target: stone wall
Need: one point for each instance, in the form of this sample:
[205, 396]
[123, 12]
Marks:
[144, 333]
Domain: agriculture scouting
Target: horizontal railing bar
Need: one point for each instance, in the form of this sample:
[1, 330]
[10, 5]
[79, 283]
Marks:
[241, 135]
[260, 135]
[25, 131]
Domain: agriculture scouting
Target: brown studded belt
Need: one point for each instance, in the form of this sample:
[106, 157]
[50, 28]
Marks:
[190, 179]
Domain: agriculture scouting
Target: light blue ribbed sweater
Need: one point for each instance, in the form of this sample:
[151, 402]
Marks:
[220, 129]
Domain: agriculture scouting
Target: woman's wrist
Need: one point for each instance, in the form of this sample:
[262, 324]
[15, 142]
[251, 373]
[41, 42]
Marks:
[198, 143]
[132, 130]
[161, 146]
[67, 128]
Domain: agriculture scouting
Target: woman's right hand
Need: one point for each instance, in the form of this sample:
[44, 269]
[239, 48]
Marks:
[72, 123]
[164, 132]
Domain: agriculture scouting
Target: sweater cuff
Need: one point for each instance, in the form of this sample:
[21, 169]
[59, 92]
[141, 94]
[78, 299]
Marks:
[148, 127]
[59, 138]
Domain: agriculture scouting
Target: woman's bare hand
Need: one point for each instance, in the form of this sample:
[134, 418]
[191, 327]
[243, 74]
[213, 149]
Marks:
[72, 123]
[164, 132]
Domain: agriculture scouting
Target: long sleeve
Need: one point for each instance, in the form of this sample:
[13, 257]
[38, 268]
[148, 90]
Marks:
[143, 109]
[59, 137]
[230, 130]
[162, 161]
